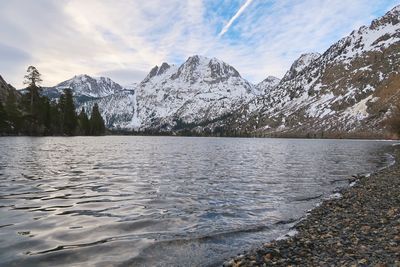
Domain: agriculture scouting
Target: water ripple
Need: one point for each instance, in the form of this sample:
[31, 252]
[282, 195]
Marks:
[162, 201]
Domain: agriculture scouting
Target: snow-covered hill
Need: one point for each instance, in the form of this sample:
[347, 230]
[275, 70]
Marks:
[299, 65]
[170, 98]
[118, 110]
[85, 87]
[350, 88]
[197, 92]
[267, 84]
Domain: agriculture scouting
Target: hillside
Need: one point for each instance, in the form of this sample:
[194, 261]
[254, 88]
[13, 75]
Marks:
[6, 90]
[350, 89]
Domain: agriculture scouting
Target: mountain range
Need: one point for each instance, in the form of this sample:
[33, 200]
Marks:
[350, 89]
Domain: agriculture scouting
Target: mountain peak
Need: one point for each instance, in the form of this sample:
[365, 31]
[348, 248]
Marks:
[379, 35]
[158, 71]
[392, 17]
[197, 58]
[394, 11]
[209, 70]
[267, 84]
[86, 85]
[164, 67]
[300, 64]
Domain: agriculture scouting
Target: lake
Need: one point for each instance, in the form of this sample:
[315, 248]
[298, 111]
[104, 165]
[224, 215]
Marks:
[163, 201]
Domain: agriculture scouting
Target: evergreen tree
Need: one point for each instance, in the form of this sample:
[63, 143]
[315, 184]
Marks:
[32, 79]
[56, 119]
[70, 121]
[33, 107]
[60, 108]
[84, 124]
[34, 114]
[4, 127]
[47, 120]
[97, 126]
[14, 115]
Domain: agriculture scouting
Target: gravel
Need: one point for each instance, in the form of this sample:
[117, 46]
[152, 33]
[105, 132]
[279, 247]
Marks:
[362, 228]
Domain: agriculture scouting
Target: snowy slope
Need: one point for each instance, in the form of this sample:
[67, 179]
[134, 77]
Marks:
[116, 103]
[85, 85]
[267, 84]
[197, 92]
[300, 65]
[170, 98]
[117, 110]
[349, 88]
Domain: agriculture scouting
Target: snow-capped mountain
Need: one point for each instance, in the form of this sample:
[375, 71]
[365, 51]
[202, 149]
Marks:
[299, 65]
[117, 110]
[116, 103]
[131, 86]
[197, 92]
[267, 84]
[86, 86]
[348, 89]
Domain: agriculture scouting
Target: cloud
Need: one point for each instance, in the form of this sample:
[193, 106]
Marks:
[11, 57]
[124, 76]
[232, 20]
[125, 39]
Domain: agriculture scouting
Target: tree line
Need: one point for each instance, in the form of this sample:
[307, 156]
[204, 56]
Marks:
[34, 114]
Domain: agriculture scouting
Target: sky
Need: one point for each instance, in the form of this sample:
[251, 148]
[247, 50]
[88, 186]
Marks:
[124, 39]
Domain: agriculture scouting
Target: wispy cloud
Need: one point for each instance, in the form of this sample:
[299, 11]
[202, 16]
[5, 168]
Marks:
[124, 39]
[232, 20]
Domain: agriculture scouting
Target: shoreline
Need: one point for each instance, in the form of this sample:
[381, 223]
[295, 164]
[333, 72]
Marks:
[212, 136]
[359, 228]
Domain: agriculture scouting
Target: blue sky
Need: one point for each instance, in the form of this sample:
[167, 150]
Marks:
[124, 39]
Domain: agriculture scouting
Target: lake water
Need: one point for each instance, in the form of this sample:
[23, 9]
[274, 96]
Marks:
[162, 201]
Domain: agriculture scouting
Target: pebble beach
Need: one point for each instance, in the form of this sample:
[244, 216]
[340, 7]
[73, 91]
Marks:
[359, 228]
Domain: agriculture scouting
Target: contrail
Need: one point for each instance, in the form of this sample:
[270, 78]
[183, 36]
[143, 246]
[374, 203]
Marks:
[240, 11]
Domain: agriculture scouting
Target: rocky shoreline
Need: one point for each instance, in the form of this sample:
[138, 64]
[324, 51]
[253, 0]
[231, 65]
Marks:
[362, 228]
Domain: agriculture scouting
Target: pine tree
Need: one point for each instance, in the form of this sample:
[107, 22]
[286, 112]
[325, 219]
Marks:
[60, 108]
[33, 79]
[56, 119]
[70, 121]
[97, 126]
[47, 116]
[14, 115]
[84, 124]
[4, 127]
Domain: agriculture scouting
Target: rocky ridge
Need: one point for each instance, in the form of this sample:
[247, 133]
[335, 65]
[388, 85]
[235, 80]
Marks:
[267, 84]
[350, 88]
[199, 91]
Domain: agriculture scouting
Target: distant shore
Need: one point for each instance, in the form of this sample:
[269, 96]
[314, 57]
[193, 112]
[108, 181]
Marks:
[384, 135]
[362, 228]
[187, 133]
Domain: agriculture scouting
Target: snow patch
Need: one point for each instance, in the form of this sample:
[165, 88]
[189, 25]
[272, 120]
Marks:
[359, 110]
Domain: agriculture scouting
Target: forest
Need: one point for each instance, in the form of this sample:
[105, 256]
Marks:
[33, 114]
